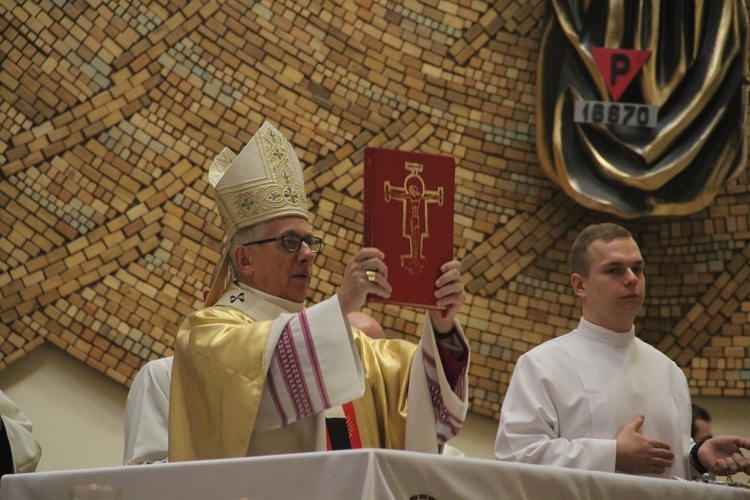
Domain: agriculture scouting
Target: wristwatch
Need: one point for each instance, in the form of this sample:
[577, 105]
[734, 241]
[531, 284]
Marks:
[694, 457]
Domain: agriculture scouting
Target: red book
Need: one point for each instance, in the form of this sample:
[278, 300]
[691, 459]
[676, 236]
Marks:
[408, 210]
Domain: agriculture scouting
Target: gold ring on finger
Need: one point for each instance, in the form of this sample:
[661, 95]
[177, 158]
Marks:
[371, 276]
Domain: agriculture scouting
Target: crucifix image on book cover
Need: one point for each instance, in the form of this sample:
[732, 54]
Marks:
[408, 214]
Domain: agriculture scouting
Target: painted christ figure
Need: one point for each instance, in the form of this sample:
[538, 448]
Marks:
[415, 227]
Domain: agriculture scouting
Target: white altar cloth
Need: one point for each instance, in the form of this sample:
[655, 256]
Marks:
[352, 474]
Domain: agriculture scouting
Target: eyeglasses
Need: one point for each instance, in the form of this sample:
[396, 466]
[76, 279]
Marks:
[292, 242]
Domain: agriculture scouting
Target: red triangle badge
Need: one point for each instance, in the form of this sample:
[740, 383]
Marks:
[619, 67]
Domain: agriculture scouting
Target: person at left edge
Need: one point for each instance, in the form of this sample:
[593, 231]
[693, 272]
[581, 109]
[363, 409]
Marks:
[256, 371]
[19, 449]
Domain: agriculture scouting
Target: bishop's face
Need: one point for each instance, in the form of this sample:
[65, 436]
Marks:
[613, 292]
[276, 271]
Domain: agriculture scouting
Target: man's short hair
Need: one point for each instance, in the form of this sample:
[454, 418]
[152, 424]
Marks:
[244, 235]
[699, 413]
[607, 231]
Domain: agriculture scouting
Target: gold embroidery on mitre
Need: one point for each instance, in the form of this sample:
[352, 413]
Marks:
[264, 182]
[289, 190]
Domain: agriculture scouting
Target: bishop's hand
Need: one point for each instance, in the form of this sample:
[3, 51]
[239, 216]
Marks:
[450, 295]
[365, 274]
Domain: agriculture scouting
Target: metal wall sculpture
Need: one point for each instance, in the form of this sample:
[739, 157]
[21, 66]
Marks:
[663, 143]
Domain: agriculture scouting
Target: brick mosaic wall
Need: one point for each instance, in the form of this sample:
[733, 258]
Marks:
[111, 113]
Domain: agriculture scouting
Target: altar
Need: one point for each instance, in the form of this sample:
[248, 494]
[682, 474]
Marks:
[356, 474]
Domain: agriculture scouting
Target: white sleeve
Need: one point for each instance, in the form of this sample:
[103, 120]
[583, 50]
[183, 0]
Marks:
[436, 411]
[313, 365]
[529, 424]
[147, 414]
[23, 446]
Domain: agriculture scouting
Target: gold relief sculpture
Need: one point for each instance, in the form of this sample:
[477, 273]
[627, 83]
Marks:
[694, 78]
[414, 223]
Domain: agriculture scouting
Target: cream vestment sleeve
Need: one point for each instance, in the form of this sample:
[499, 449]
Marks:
[147, 414]
[23, 446]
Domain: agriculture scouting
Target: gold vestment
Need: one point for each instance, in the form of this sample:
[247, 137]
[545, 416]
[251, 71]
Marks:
[220, 370]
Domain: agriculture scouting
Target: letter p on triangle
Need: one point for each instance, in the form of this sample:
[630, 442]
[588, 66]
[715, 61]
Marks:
[619, 67]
